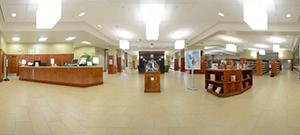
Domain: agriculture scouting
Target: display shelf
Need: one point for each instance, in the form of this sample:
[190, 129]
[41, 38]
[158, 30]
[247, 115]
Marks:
[225, 82]
[262, 67]
[275, 68]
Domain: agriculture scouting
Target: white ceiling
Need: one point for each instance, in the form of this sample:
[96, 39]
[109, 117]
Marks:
[194, 16]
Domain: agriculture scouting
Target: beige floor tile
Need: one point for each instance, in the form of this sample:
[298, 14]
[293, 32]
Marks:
[154, 131]
[24, 128]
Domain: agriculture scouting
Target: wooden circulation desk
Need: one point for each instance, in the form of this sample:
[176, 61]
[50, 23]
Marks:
[231, 82]
[71, 76]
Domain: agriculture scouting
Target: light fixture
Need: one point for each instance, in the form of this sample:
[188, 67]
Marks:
[179, 34]
[48, 14]
[179, 44]
[124, 34]
[277, 40]
[276, 48]
[152, 16]
[13, 14]
[86, 42]
[221, 14]
[252, 49]
[70, 38]
[255, 14]
[16, 39]
[124, 44]
[230, 39]
[43, 39]
[231, 47]
[263, 46]
[81, 14]
[253, 54]
[288, 15]
[99, 26]
[262, 52]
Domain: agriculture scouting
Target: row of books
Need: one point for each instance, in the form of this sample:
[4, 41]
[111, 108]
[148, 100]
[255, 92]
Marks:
[213, 78]
[211, 87]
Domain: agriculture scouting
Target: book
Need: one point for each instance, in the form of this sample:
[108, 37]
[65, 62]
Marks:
[218, 90]
[233, 78]
[212, 77]
[210, 86]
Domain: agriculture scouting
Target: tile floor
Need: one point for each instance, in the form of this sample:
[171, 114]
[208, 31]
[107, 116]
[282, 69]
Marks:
[120, 107]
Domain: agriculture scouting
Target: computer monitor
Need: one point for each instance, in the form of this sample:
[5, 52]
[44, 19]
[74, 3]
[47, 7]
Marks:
[96, 60]
[75, 61]
[36, 61]
[82, 61]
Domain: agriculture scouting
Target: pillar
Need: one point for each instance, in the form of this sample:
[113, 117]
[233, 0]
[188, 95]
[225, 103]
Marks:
[111, 60]
[119, 60]
[182, 60]
[176, 62]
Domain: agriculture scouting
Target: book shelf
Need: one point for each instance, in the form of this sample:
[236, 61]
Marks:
[225, 82]
[275, 68]
[262, 67]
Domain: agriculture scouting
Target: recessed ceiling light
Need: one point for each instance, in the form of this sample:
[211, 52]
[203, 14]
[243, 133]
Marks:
[70, 38]
[16, 39]
[288, 15]
[262, 46]
[81, 14]
[14, 14]
[86, 42]
[43, 39]
[277, 40]
[99, 26]
[124, 34]
[180, 34]
[221, 14]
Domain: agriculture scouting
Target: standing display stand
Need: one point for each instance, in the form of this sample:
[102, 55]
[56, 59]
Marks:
[192, 87]
[193, 61]
[152, 81]
[6, 70]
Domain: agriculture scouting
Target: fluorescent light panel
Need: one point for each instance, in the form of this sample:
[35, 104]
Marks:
[255, 14]
[81, 14]
[124, 44]
[152, 31]
[124, 34]
[43, 39]
[14, 14]
[179, 44]
[231, 47]
[70, 38]
[253, 54]
[16, 39]
[277, 40]
[86, 42]
[48, 14]
[230, 39]
[221, 14]
[276, 48]
[262, 52]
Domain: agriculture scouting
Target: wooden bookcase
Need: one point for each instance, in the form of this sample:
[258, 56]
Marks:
[262, 67]
[275, 68]
[222, 78]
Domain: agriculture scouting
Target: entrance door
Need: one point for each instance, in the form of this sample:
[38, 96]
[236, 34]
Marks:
[12, 64]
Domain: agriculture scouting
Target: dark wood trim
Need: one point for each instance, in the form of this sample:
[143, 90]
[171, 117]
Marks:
[182, 64]
[176, 64]
[119, 63]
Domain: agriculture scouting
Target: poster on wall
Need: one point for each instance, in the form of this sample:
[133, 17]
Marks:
[193, 59]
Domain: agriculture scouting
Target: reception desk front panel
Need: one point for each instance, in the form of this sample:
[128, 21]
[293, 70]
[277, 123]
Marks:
[72, 76]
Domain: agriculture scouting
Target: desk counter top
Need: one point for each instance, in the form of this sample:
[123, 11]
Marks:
[71, 76]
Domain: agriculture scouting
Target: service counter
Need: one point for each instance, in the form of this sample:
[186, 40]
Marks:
[71, 76]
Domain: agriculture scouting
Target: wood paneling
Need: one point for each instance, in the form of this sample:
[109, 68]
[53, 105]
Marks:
[60, 59]
[71, 76]
[152, 81]
[111, 64]
[119, 64]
